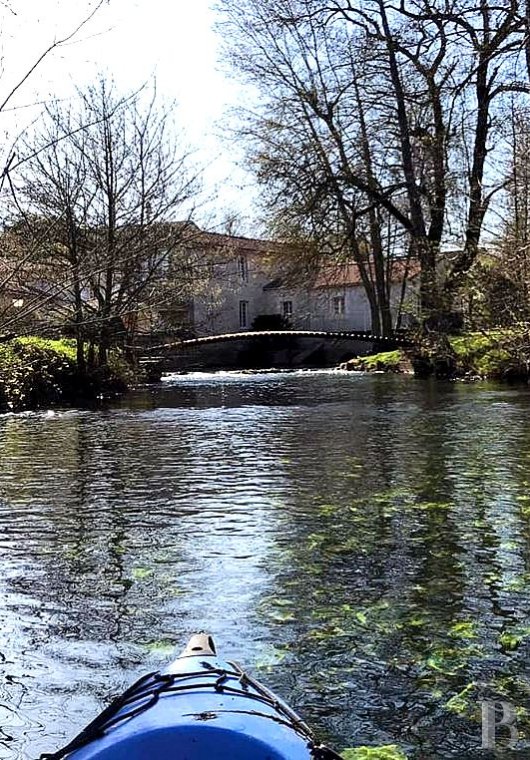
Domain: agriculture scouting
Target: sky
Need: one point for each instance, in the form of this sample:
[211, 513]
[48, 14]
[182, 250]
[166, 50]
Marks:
[133, 41]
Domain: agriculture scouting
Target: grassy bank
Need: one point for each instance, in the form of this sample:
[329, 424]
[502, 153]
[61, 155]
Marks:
[36, 373]
[496, 355]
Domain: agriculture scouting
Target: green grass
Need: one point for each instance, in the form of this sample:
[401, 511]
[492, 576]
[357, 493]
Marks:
[64, 347]
[497, 354]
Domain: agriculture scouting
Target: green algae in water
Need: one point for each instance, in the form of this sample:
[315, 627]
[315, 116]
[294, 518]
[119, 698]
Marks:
[389, 752]
[270, 657]
[326, 510]
[462, 704]
[510, 640]
[448, 661]
[161, 648]
[463, 630]
[140, 573]
[277, 616]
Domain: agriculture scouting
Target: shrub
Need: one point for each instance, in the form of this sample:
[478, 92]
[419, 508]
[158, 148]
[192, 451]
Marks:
[35, 372]
[270, 322]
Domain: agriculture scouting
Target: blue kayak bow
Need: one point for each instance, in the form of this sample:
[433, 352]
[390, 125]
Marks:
[200, 708]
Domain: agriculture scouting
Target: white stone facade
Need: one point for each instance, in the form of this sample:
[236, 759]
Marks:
[241, 286]
[233, 297]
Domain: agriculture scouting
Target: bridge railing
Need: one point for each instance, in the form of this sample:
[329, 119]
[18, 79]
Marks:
[395, 340]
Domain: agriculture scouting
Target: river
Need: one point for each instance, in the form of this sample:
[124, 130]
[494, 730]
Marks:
[360, 542]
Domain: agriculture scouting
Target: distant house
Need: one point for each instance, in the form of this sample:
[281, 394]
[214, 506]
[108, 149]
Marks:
[208, 283]
[336, 300]
[232, 273]
[240, 282]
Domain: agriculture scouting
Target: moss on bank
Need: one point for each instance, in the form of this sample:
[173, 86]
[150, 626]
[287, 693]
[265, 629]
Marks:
[35, 372]
[496, 355]
[388, 361]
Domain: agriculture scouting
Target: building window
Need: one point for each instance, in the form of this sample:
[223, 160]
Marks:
[287, 309]
[163, 261]
[242, 268]
[339, 305]
[243, 313]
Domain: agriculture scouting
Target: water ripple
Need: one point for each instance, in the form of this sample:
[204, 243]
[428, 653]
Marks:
[362, 543]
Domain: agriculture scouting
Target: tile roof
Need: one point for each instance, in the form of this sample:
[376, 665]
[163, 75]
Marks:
[344, 275]
[238, 243]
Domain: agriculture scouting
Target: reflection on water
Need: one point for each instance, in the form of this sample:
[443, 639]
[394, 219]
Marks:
[362, 543]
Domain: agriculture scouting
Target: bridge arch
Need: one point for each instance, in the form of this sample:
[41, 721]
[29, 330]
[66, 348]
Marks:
[268, 348]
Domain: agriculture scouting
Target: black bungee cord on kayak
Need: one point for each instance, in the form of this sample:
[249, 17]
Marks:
[146, 692]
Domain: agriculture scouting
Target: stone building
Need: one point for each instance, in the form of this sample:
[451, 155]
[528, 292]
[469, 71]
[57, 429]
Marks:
[230, 289]
[241, 282]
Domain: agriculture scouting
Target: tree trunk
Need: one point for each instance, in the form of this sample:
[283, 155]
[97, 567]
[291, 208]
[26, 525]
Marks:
[103, 347]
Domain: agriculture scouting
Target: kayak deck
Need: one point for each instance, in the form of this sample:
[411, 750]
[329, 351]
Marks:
[200, 708]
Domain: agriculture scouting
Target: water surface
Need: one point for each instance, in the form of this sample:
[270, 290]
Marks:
[361, 543]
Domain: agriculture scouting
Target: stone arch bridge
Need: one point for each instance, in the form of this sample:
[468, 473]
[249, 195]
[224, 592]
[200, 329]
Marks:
[282, 349]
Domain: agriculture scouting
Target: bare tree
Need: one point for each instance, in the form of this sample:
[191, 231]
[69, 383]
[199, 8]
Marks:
[13, 261]
[109, 196]
[501, 283]
[402, 103]
[314, 151]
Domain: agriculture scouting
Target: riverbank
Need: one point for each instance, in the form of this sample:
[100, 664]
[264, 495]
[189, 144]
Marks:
[36, 373]
[495, 355]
